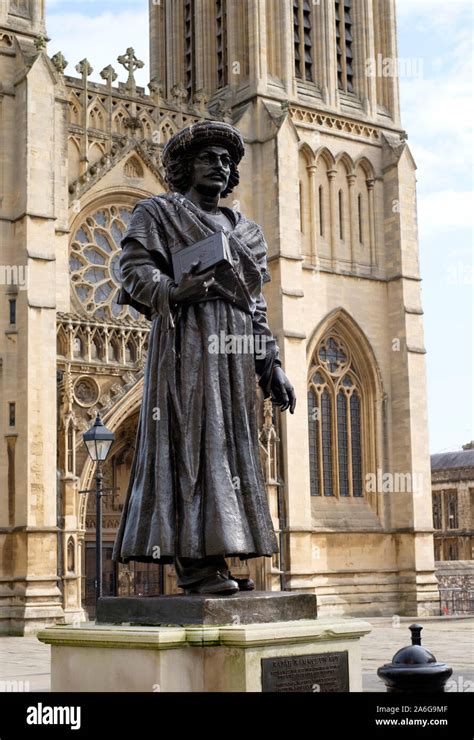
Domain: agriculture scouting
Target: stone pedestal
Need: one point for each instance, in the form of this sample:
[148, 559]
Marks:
[242, 608]
[264, 646]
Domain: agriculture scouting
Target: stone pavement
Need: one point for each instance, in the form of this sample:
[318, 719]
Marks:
[451, 639]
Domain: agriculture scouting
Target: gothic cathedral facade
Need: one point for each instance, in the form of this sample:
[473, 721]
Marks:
[329, 176]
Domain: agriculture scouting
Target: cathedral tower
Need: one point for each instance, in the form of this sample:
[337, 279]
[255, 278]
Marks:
[330, 177]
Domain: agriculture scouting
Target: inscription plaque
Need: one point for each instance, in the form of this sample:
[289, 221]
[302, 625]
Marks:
[322, 672]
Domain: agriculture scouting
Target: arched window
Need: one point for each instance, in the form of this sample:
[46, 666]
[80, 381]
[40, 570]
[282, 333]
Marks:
[96, 349]
[345, 73]
[321, 210]
[130, 353]
[335, 418]
[71, 555]
[114, 351]
[77, 348]
[300, 187]
[359, 213]
[340, 202]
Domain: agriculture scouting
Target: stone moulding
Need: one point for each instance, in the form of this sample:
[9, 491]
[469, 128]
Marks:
[172, 637]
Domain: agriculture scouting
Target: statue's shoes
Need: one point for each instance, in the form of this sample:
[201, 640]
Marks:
[244, 584]
[217, 584]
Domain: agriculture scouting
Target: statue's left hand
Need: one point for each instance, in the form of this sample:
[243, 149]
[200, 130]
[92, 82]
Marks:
[283, 393]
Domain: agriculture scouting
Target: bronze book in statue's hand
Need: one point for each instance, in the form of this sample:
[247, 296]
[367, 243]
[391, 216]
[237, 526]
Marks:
[210, 252]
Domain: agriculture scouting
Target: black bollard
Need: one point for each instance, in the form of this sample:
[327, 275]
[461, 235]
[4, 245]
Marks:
[414, 669]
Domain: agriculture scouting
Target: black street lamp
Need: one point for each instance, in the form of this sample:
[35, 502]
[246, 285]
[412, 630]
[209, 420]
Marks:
[98, 440]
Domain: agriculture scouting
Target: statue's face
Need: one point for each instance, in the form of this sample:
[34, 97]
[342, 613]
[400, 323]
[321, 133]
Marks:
[210, 170]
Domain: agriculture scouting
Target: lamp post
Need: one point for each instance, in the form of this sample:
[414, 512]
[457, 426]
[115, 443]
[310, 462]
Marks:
[98, 440]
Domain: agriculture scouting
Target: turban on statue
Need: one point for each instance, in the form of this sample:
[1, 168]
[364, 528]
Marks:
[204, 133]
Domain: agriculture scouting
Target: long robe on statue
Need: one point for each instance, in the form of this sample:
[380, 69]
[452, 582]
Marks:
[196, 486]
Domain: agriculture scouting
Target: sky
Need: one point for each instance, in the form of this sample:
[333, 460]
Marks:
[436, 84]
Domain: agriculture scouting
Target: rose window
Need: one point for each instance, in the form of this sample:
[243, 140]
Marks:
[93, 263]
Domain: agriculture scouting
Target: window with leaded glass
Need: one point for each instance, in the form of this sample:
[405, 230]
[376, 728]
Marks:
[452, 509]
[345, 73]
[221, 43]
[12, 310]
[356, 444]
[303, 41]
[313, 412]
[335, 421]
[327, 437]
[437, 510]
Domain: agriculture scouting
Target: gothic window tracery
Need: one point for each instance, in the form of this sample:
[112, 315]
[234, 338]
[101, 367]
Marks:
[94, 268]
[334, 417]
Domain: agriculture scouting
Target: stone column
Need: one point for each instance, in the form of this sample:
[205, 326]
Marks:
[312, 212]
[372, 240]
[333, 212]
[353, 217]
[391, 51]
[363, 30]
[174, 46]
[258, 45]
[285, 26]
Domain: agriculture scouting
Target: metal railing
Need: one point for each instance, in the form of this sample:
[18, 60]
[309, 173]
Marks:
[456, 600]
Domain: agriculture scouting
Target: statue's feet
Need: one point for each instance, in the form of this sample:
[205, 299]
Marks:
[217, 584]
[244, 584]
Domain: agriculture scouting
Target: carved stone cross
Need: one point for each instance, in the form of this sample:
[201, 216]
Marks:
[131, 63]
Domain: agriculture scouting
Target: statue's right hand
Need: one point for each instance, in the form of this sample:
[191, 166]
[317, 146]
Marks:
[193, 286]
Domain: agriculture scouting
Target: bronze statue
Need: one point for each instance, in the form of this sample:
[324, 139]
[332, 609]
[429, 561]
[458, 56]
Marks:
[196, 491]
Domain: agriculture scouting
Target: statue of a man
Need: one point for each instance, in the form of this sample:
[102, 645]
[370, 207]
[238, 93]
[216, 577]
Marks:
[196, 491]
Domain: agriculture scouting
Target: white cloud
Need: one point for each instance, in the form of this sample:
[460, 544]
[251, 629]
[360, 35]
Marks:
[445, 210]
[437, 116]
[437, 113]
[433, 13]
[101, 38]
